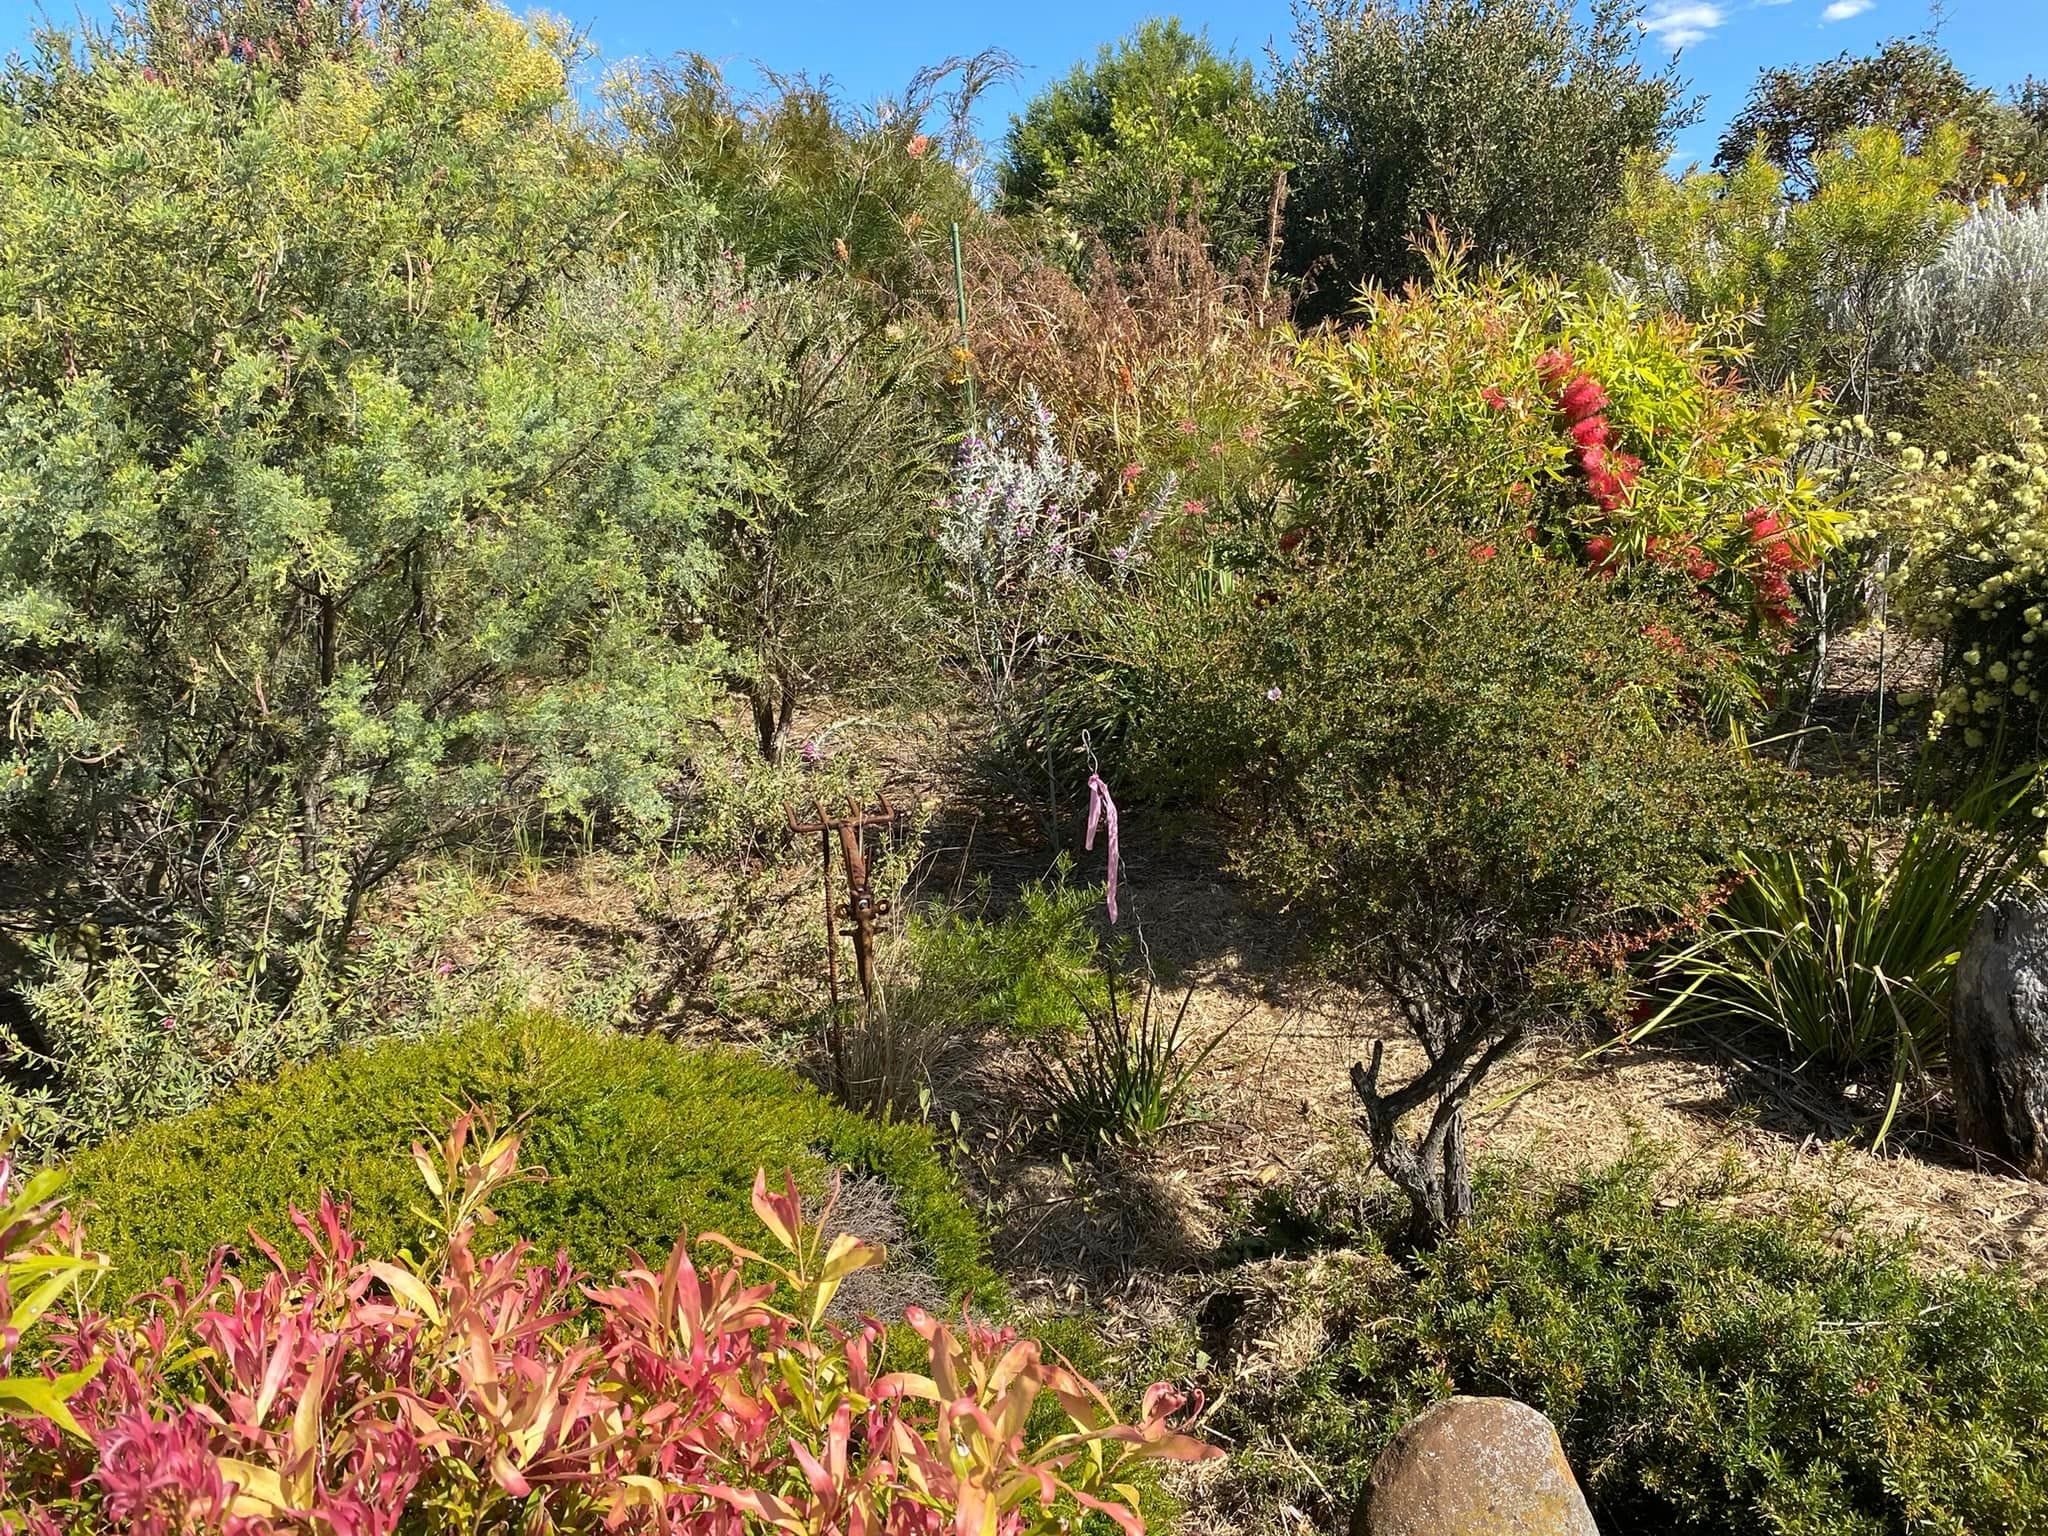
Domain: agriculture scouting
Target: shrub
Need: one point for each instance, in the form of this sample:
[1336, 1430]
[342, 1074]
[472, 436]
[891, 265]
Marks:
[1983, 297]
[1815, 276]
[473, 1391]
[1969, 568]
[1481, 777]
[1160, 128]
[1166, 366]
[1707, 1372]
[1020, 533]
[1514, 412]
[1849, 947]
[805, 184]
[821, 586]
[355, 499]
[1029, 972]
[639, 1137]
[1507, 124]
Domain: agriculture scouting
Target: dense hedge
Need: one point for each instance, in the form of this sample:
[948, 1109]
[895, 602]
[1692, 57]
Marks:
[640, 1139]
[1708, 1372]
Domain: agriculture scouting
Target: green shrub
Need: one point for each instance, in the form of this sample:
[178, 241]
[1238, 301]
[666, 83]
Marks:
[359, 456]
[1030, 972]
[1814, 275]
[1708, 1372]
[1479, 776]
[1160, 125]
[641, 1141]
[1506, 122]
[1523, 412]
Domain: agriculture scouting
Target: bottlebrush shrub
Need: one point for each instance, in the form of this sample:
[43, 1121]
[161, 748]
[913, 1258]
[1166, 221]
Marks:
[1575, 425]
[469, 1392]
[1969, 552]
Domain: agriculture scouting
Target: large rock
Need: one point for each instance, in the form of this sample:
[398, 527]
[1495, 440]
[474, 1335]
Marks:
[1998, 1051]
[1474, 1466]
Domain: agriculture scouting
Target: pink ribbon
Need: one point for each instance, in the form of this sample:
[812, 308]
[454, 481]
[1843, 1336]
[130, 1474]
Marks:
[1101, 808]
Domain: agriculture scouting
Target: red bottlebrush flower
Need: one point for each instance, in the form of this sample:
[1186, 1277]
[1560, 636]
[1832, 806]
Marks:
[1664, 638]
[1599, 551]
[1291, 540]
[1700, 568]
[1582, 398]
[1555, 366]
[1762, 525]
[1531, 532]
[1593, 432]
[918, 144]
[1592, 459]
[1494, 398]
[1521, 494]
[1482, 551]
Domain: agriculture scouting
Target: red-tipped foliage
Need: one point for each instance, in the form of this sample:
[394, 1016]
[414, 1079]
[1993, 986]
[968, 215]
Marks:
[348, 1396]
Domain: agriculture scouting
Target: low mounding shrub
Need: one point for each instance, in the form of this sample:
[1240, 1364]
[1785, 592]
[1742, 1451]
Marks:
[640, 1139]
[1708, 1372]
[472, 1391]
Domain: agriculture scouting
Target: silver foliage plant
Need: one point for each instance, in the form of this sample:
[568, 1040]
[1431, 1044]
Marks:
[1021, 529]
[1984, 296]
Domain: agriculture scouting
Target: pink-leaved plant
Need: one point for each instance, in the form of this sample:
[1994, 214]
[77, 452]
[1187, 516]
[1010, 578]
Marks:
[350, 1395]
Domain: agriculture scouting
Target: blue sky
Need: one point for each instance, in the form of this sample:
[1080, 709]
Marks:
[871, 49]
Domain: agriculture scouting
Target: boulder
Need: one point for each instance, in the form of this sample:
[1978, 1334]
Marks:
[1474, 1466]
[1998, 1027]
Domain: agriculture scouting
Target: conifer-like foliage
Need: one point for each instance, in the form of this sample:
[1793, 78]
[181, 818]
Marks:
[356, 458]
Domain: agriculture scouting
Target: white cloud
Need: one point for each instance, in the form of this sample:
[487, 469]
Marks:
[1677, 23]
[1842, 10]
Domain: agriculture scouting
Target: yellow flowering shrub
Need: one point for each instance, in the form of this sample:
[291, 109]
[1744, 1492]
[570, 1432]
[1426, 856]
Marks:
[1969, 552]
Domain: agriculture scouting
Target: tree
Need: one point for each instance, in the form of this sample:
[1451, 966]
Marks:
[1816, 277]
[1160, 129]
[357, 467]
[1507, 122]
[1909, 86]
[804, 185]
[820, 583]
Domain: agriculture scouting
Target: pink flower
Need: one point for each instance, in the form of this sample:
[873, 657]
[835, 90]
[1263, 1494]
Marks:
[1581, 399]
[1555, 366]
[1273, 694]
[1494, 398]
[1482, 552]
